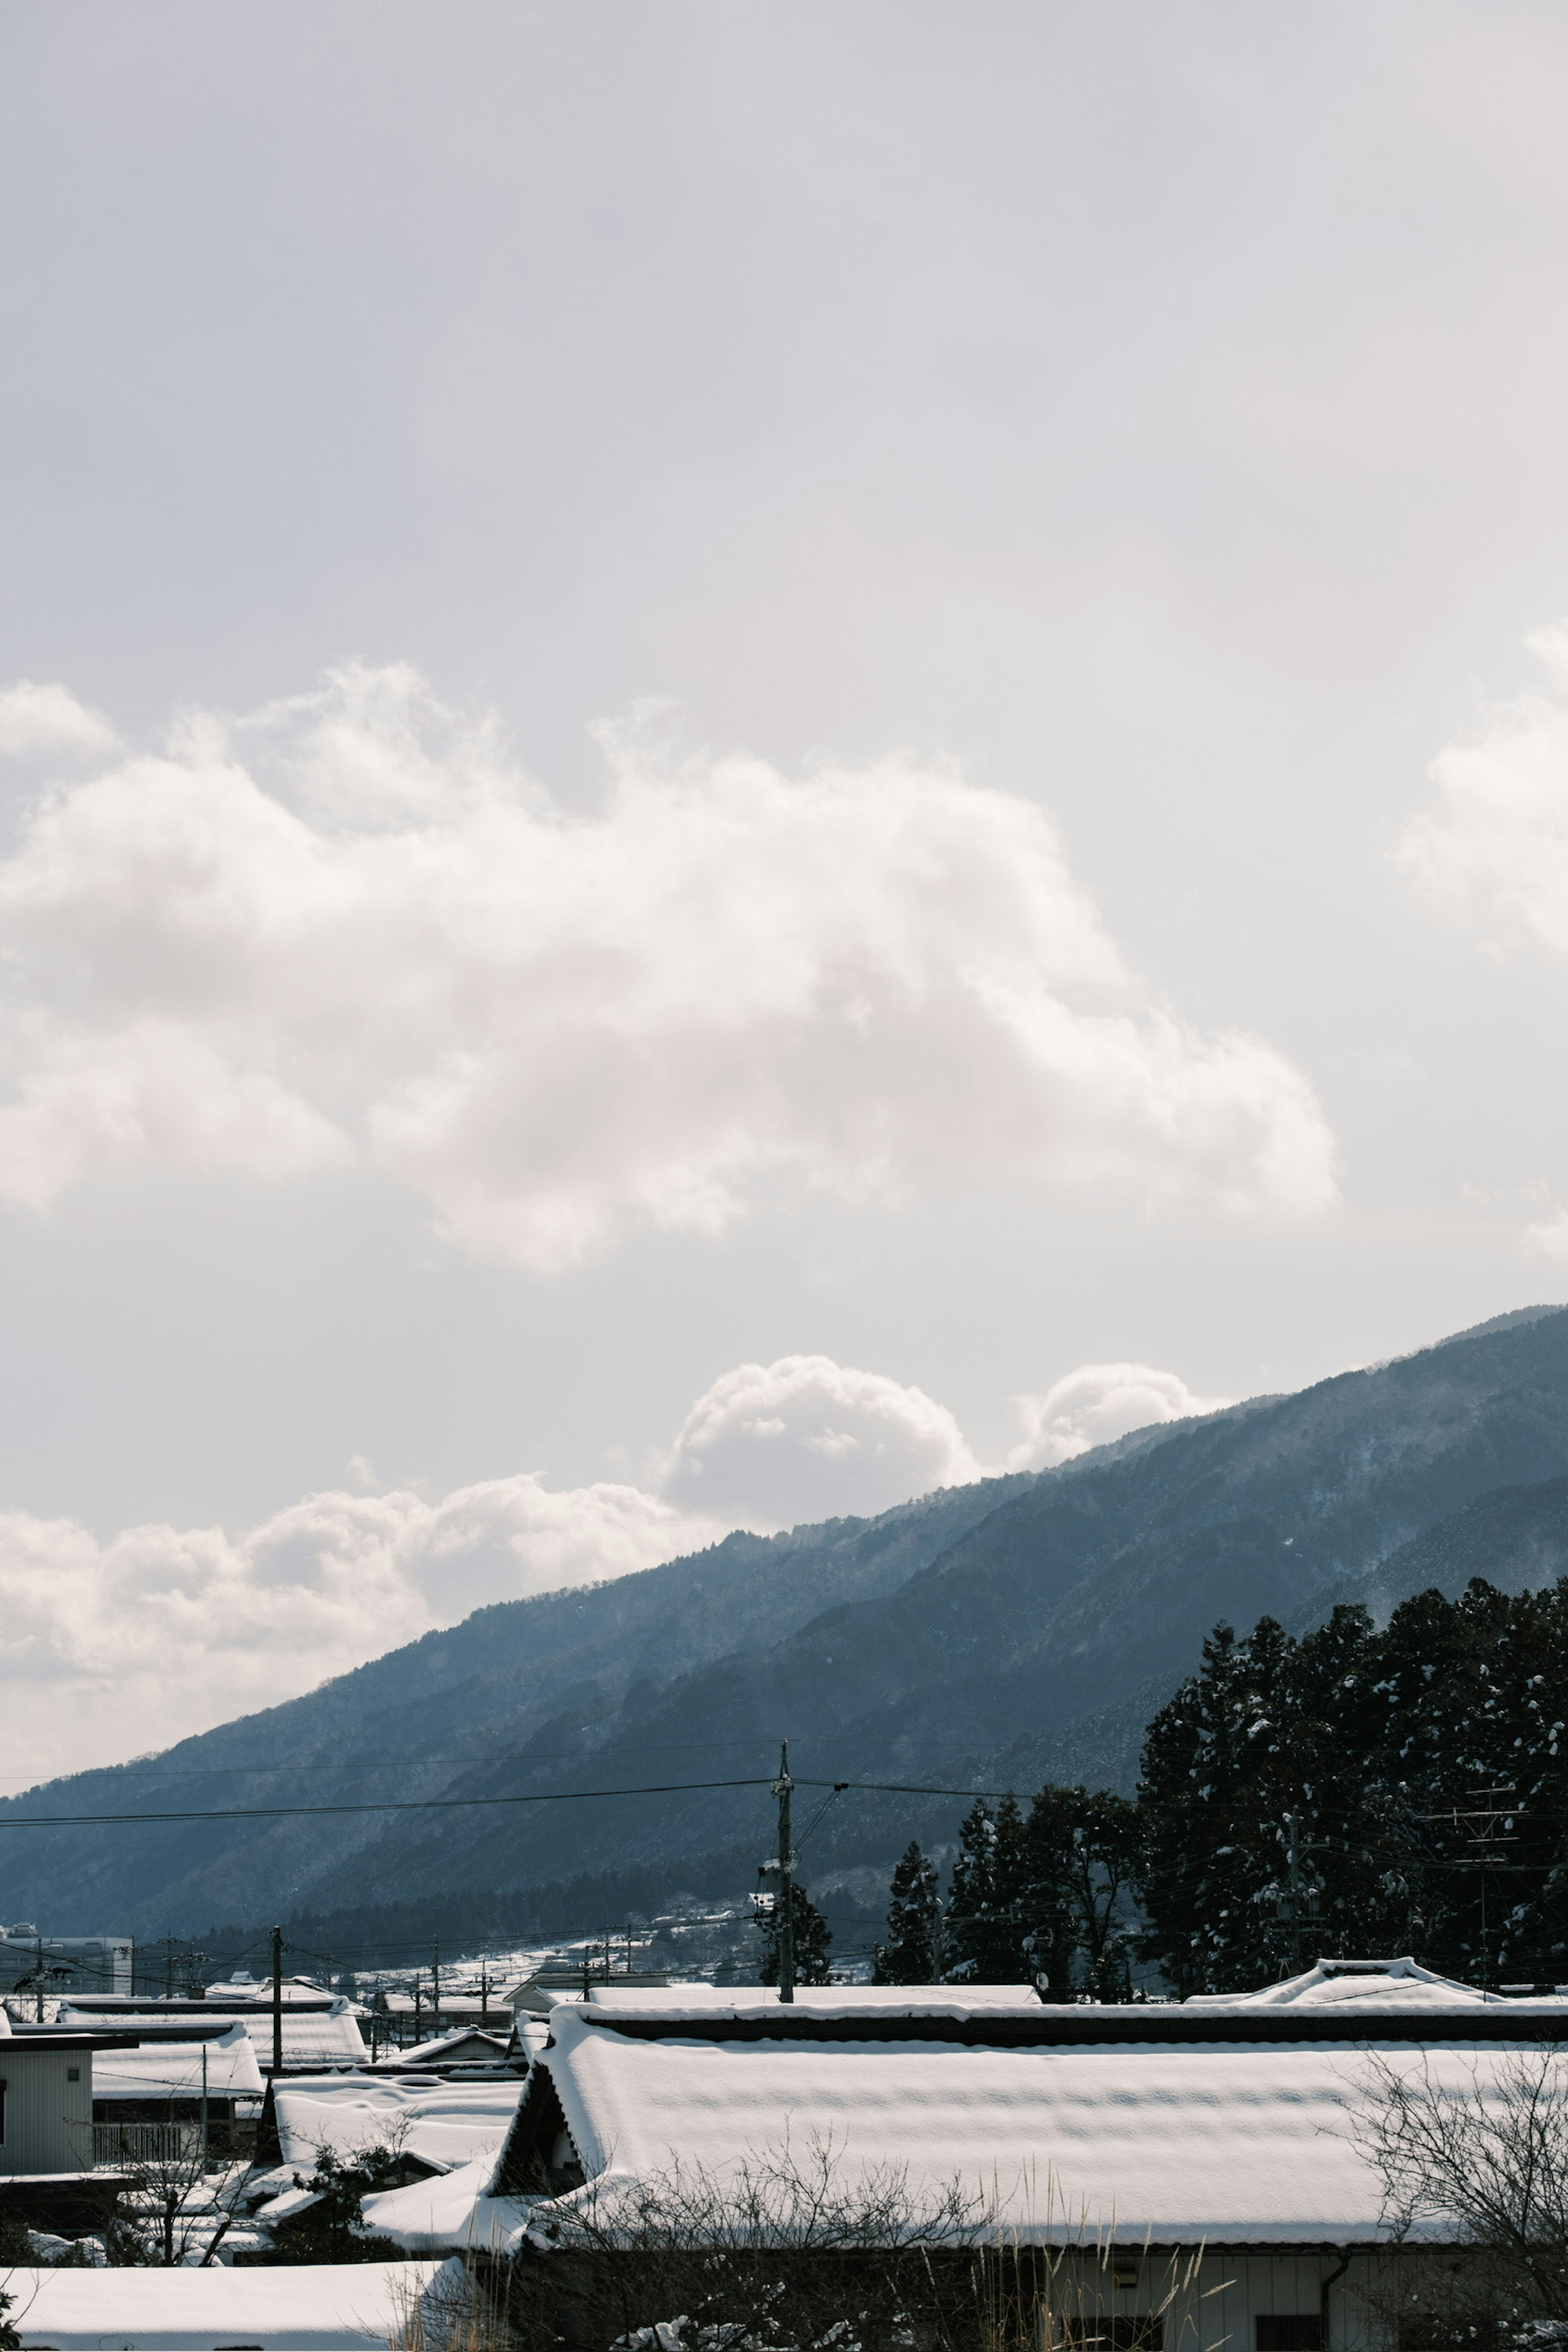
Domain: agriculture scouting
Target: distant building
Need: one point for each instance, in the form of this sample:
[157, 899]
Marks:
[60, 1966]
[559, 1981]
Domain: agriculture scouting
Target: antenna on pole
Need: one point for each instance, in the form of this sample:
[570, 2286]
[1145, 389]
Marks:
[783, 1787]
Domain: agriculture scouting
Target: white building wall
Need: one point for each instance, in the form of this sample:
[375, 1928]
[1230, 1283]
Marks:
[48, 2117]
[1212, 2300]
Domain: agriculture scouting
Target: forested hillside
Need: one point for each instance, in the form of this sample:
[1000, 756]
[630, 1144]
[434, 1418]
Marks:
[1025, 1629]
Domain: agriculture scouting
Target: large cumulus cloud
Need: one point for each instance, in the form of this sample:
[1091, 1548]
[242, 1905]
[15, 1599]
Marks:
[346, 933]
[1096, 1403]
[804, 1438]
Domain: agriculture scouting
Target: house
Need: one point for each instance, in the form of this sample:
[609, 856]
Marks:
[332, 2308]
[466, 2049]
[320, 2029]
[436, 2128]
[537, 1994]
[439, 2125]
[1201, 2169]
[45, 2100]
[166, 2101]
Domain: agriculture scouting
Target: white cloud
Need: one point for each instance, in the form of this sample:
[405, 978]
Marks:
[1095, 1404]
[345, 932]
[49, 719]
[1493, 852]
[803, 1439]
[1547, 1237]
[113, 1648]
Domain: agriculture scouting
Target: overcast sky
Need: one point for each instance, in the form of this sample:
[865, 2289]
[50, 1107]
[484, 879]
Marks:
[752, 755]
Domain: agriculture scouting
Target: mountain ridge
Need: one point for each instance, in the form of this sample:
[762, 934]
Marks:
[1012, 1626]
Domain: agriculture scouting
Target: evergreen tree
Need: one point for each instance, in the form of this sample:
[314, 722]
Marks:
[911, 1955]
[991, 1910]
[1210, 1879]
[813, 1938]
[1084, 1847]
[1054, 1939]
[1366, 1793]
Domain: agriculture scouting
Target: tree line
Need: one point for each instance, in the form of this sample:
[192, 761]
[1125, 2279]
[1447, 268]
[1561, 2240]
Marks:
[1355, 1791]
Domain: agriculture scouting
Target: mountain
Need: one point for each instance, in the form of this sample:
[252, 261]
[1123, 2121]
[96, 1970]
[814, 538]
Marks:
[991, 1634]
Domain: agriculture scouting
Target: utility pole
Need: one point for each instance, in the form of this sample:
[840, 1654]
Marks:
[38, 1981]
[783, 1787]
[484, 1994]
[436, 1986]
[277, 2003]
[168, 1967]
[204, 2110]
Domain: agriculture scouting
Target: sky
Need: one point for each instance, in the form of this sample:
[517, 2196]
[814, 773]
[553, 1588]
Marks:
[751, 756]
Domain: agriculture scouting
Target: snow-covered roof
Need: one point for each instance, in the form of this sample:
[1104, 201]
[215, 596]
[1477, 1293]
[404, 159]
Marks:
[330, 2308]
[296, 1989]
[1227, 2142]
[444, 2124]
[448, 2214]
[311, 2037]
[1402, 1984]
[174, 2069]
[447, 2048]
[760, 2002]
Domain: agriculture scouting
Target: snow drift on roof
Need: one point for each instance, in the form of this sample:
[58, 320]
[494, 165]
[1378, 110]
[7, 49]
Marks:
[443, 2123]
[1402, 1984]
[174, 2070]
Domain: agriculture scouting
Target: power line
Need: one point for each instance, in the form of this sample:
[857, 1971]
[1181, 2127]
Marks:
[388, 1805]
[452, 1804]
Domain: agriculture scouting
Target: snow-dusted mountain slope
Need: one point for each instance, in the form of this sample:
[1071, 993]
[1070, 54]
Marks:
[1033, 1623]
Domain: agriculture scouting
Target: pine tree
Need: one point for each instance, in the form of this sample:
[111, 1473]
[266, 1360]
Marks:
[813, 1938]
[990, 1911]
[1106, 1850]
[911, 1955]
[1420, 1774]
[1209, 1879]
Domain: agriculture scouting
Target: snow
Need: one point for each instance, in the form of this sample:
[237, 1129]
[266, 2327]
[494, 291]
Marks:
[173, 2070]
[335, 2307]
[447, 2215]
[443, 2123]
[1354, 1985]
[1233, 2144]
[703, 2001]
[311, 2037]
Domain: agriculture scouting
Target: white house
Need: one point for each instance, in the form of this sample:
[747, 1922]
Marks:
[45, 2102]
[1202, 2167]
